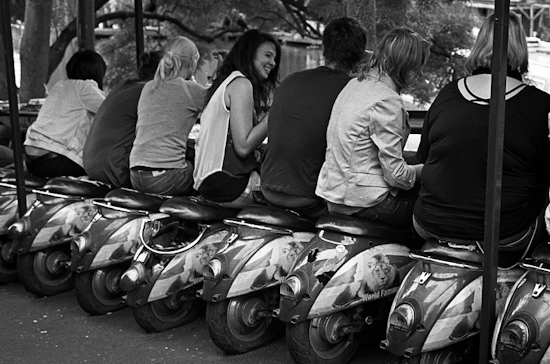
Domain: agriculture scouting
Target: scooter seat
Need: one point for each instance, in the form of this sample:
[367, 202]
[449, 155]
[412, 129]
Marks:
[76, 187]
[277, 217]
[432, 246]
[30, 180]
[542, 253]
[195, 209]
[355, 226]
[135, 200]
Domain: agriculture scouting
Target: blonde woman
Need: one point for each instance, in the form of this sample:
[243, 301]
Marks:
[167, 110]
[364, 173]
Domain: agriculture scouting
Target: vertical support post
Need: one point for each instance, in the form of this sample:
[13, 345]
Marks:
[494, 177]
[86, 24]
[138, 10]
[14, 110]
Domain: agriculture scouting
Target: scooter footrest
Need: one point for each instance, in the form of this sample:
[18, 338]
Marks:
[542, 253]
[195, 209]
[135, 200]
[354, 226]
[77, 187]
[276, 217]
[432, 246]
[30, 180]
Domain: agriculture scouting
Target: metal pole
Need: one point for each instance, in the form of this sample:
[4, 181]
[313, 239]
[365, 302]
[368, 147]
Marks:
[86, 24]
[494, 176]
[138, 9]
[14, 110]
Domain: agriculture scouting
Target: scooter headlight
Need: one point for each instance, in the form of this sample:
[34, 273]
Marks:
[518, 337]
[79, 244]
[403, 321]
[19, 229]
[132, 278]
[291, 288]
[213, 269]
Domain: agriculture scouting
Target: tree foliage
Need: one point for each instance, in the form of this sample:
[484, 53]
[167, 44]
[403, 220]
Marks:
[446, 23]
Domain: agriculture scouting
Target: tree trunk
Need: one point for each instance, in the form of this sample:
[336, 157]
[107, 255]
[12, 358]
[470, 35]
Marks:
[365, 12]
[35, 47]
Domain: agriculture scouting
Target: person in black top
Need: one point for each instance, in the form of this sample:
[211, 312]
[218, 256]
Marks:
[453, 148]
[299, 116]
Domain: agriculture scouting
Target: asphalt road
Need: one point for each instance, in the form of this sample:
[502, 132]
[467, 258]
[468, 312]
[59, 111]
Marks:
[56, 330]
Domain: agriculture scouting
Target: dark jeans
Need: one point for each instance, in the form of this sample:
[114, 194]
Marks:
[53, 165]
[393, 210]
[169, 182]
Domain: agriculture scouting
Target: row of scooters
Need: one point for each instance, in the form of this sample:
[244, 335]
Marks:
[261, 270]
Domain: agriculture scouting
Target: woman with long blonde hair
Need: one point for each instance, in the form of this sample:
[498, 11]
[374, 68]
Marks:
[167, 110]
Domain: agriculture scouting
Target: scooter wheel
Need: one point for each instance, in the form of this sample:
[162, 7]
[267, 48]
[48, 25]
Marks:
[98, 291]
[165, 314]
[8, 266]
[45, 272]
[316, 341]
[238, 325]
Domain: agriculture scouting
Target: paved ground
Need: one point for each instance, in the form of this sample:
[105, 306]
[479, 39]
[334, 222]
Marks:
[56, 330]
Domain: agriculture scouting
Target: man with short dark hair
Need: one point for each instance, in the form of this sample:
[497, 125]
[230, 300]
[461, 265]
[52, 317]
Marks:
[298, 120]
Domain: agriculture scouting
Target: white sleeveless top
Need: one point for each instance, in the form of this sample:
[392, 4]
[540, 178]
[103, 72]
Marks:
[210, 143]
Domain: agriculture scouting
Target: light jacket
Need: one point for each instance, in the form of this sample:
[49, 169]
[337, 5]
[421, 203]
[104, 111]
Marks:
[367, 131]
[65, 119]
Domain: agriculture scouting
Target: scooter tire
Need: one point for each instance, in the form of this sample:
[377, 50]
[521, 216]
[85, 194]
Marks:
[8, 267]
[96, 292]
[162, 315]
[35, 271]
[306, 347]
[234, 337]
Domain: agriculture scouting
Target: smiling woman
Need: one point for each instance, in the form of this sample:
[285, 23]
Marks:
[234, 121]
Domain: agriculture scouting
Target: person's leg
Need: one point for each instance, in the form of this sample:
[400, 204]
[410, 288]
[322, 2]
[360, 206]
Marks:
[6, 156]
[247, 197]
[48, 167]
[394, 210]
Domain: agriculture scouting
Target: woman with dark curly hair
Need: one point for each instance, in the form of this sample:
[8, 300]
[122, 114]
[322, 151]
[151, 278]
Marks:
[234, 121]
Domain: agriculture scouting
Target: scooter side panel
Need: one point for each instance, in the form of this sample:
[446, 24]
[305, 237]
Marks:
[240, 244]
[429, 288]
[461, 318]
[319, 262]
[38, 216]
[67, 222]
[370, 275]
[185, 269]
[270, 265]
[524, 302]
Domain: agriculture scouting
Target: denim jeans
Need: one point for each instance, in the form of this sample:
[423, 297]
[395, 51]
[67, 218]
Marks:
[169, 182]
[393, 210]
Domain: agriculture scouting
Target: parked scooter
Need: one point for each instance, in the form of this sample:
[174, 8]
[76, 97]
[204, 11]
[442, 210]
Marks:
[522, 330]
[162, 282]
[8, 215]
[63, 209]
[340, 284]
[104, 250]
[241, 282]
[435, 316]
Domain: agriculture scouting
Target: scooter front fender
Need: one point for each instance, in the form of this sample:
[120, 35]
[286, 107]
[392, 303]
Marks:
[526, 316]
[326, 270]
[270, 264]
[238, 247]
[185, 269]
[9, 209]
[446, 302]
[370, 275]
[35, 219]
[111, 241]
